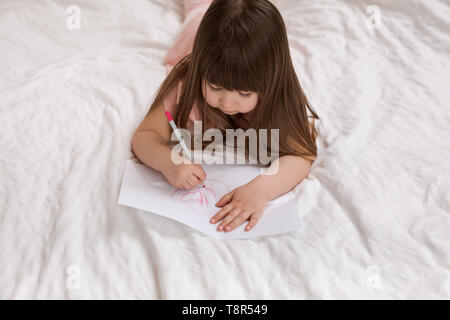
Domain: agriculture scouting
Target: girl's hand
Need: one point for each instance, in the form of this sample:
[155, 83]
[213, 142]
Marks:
[243, 203]
[184, 176]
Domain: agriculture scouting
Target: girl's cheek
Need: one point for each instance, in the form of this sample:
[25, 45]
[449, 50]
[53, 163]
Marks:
[251, 103]
[209, 96]
[213, 100]
[250, 106]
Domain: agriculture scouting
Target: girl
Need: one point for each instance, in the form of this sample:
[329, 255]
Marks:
[238, 75]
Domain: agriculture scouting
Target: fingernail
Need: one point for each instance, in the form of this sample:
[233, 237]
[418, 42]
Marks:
[227, 228]
[220, 228]
[212, 220]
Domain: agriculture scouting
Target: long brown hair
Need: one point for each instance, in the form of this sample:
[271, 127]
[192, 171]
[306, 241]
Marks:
[242, 45]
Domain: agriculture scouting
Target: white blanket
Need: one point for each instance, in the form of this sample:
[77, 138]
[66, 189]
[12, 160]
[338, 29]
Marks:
[375, 209]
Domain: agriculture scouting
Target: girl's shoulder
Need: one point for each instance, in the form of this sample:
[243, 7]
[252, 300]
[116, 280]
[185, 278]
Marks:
[171, 100]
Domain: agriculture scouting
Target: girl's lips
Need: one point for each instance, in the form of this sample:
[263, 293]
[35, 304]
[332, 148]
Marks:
[227, 112]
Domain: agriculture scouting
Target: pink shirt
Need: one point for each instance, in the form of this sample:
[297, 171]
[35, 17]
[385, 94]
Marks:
[171, 100]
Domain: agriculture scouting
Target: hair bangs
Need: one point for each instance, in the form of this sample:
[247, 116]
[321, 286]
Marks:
[231, 69]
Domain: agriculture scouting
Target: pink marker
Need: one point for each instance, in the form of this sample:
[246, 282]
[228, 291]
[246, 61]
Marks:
[179, 137]
[178, 134]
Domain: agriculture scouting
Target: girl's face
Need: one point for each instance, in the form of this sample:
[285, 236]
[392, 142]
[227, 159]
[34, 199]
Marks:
[229, 102]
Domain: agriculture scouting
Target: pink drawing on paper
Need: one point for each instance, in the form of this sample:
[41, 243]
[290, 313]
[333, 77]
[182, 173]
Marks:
[202, 199]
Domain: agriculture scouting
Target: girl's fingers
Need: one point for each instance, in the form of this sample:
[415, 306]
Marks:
[253, 220]
[233, 213]
[193, 181]
[197, 179]
[225, 199]
[237, 221]
[222, 212]
[187, 185]
[199, 173]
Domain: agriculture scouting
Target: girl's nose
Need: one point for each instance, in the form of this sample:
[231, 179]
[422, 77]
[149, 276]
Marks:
[226, 101]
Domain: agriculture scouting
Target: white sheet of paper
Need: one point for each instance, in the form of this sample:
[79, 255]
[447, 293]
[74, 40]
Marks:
[147, 189]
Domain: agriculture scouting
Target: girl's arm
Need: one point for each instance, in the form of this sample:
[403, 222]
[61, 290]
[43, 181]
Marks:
[150, 145]
[151, 149]
[287, 172]
[247, 202]
[149, 142]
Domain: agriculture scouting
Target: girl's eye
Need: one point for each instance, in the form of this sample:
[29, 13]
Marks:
[244, 94]
[214, 88]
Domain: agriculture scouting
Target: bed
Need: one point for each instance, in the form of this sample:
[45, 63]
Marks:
[375, 208]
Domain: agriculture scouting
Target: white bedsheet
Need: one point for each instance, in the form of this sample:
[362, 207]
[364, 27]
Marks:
[375, 208]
